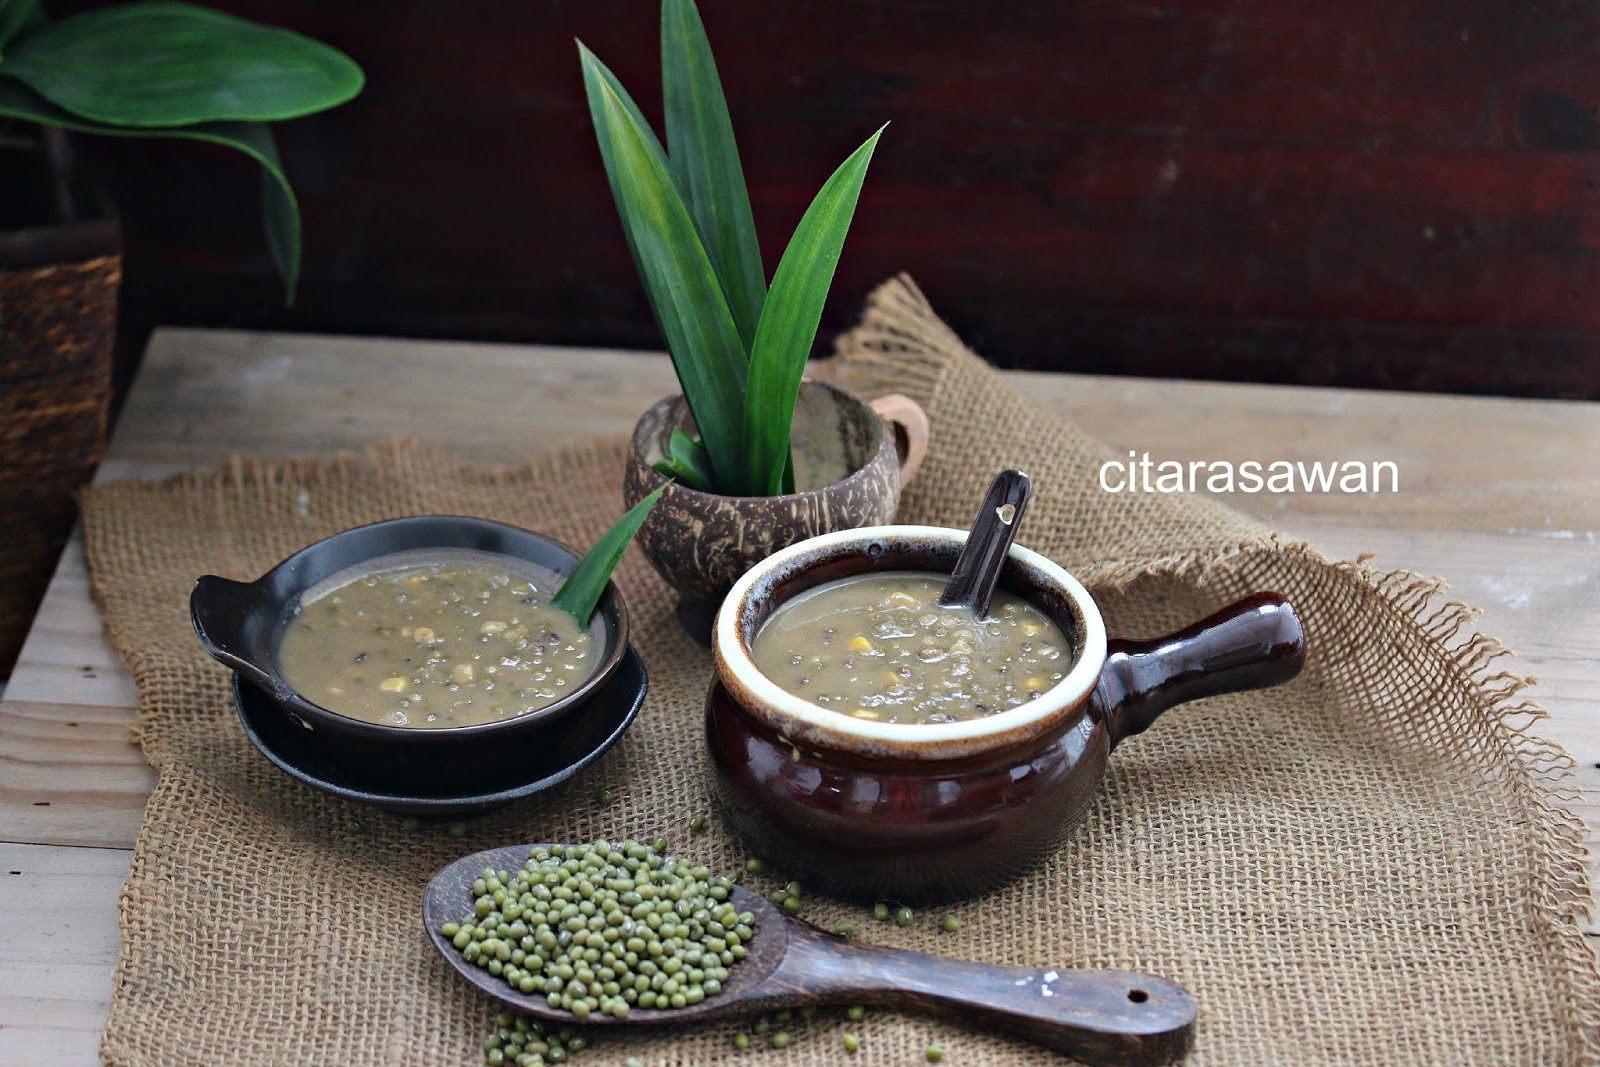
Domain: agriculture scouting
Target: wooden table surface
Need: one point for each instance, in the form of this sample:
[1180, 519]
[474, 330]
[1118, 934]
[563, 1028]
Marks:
[1501, 497]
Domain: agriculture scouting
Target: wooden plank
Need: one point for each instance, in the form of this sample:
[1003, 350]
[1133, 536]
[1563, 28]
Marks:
[204, 396]
[67, 658]
[58, 911]
[69, 776]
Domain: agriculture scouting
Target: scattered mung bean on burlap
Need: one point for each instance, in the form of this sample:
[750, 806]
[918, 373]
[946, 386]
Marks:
[1367, 866]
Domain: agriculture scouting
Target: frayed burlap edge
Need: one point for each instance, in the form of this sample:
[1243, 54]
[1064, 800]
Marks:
[901, 345]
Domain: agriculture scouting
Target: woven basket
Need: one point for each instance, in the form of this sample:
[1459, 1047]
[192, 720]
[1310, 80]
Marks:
[58, 328]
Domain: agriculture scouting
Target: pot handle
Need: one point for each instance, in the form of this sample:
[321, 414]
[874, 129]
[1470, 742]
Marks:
[909, 424]
[221, 611]
[1255, 643]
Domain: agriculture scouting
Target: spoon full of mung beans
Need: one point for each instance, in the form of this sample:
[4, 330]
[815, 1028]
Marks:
[977, 569]
[1099, 1016]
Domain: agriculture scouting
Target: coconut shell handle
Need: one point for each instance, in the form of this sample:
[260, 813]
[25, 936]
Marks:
[1255, 643]
[910, 426]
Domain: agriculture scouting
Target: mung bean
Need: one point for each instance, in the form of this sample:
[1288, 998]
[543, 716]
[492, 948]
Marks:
[554, 928]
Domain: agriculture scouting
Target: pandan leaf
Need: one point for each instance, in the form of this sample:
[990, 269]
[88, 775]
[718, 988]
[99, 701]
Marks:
[596, 74]
[583, 588]
[688, 463]
[280, 212]
[669, 468]
[14, 15]
[705, 162]
[164, 64]
[683, 288]
[789, 321]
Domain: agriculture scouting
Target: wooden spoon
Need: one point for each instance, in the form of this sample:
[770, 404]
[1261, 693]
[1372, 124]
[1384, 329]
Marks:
[977, 569]
[1101, 1017]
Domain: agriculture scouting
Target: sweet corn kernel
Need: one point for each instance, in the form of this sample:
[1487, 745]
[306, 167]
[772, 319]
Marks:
[864, 713]
[423, 634]
[462, 673]
[396, 684]
[901, 600]
[1035, 684]
[492, 628]
[860, 643]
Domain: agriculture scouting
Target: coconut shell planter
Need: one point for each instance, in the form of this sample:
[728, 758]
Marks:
[851, 459]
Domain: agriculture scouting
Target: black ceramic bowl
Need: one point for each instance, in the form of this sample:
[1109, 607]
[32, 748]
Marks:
[241, 624]
[548, 758]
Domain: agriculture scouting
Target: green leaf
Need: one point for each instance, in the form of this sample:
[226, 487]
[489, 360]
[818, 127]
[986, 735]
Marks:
[165, 64]
[584, 586]
[789, 321]
[280, 212]
[596, 74]
[705, 162]
[669, 468]
[14, 15]
[683, 288]
[688, 462]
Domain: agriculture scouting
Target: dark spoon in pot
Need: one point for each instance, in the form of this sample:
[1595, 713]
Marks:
[1100, 1017]
[977, 569]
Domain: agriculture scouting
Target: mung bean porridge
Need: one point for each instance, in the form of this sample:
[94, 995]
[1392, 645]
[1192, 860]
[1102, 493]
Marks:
[880, 647]
[436, 638]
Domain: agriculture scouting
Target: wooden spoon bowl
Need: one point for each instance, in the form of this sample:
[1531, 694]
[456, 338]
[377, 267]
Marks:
[1101, 1017]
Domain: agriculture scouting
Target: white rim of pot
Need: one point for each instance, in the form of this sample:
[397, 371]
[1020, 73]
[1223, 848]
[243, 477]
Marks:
[966, 736]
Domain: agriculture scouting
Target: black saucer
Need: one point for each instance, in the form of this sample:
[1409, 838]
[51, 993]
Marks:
[548, 757]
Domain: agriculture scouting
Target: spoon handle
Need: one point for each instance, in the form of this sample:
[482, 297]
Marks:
[977, 569]
[1117, 1018]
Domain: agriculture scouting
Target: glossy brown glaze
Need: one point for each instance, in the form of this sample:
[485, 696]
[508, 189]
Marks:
[847, 466]
[916, 832]
[1255, 643]
[868, 818]
[1112, 1018]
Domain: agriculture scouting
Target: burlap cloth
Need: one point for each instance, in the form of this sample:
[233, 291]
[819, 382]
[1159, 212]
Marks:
[1368, 866]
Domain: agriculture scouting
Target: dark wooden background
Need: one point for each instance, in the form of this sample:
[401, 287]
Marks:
[1392, 193]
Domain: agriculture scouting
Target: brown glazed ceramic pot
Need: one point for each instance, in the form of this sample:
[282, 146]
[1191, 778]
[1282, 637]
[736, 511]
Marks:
[927, 813]
[850, 458]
